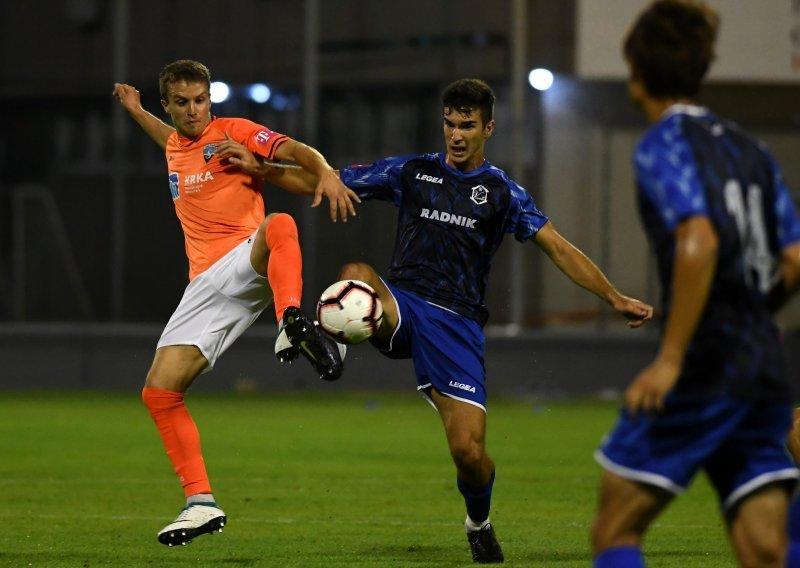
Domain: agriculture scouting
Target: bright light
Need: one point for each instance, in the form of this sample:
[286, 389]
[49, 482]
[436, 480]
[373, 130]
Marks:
[540, 79]
[219, 92]
[259, 92]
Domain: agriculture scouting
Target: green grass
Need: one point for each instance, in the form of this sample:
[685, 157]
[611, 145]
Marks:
[312, 480]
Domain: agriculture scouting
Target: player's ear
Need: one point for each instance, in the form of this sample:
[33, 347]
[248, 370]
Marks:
[164, 105]
[488, 129]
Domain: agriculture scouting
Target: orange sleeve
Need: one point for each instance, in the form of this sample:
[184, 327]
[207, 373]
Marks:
[258, 139]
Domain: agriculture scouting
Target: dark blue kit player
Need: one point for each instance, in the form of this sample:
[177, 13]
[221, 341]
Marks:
[726, 236]
[454, 210]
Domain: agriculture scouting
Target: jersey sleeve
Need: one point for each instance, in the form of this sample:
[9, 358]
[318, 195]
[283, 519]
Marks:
[379, 180]
[785, 210]
[668, 177]
[524, 219]
[259, 139]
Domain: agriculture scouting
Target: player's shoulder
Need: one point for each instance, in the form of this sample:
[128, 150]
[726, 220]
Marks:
[501, 177]
[420, 160]
[222, 121]
[398, 163]
[234, 125]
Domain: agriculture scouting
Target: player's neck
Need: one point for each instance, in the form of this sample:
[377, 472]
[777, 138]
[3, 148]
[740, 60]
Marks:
[654, 108]
[472, 164]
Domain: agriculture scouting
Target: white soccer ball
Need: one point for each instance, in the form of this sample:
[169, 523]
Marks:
[350, 311]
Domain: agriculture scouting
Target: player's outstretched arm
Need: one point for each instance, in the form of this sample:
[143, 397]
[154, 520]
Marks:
[341, 199]
[696, 246]
[585, 273]
[291, 178]
[131, 101]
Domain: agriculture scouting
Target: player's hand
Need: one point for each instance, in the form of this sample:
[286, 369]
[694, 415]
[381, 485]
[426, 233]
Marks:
[646, 393]
[128, 96]
[635, 311]
[339, 196]
[234, 153]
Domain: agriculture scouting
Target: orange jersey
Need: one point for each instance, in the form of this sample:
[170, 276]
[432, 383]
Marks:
[218, 205]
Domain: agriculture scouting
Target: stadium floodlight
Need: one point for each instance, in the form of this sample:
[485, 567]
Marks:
[219, 92]
[540, 79]
[259, 93]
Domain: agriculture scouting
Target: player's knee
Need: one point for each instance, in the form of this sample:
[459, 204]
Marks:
[600, 537]
[467, 455]
[766, 552]
[762, 560]
[279, 227]
[160, 399]
[613, 528]
[355, 271]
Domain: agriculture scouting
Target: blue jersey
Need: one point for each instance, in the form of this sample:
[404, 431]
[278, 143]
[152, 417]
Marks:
[450, 225]
[693, 163]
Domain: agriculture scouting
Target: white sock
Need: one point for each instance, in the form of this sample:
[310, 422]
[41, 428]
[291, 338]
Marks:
[200, 498]
[472, 526]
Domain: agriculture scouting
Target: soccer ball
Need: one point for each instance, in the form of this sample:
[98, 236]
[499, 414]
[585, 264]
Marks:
[349, 311]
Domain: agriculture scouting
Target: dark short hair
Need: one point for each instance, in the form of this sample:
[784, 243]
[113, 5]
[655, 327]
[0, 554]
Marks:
[467, 94]
[182, 70]
[671, 46]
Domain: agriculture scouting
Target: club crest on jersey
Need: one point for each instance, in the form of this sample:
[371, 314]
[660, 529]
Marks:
[479, 195]
[208, 151]
[174, 185]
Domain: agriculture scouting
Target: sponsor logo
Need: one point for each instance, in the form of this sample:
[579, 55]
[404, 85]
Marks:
[431, 179]
[263, 136]
[208, 151]
[174, 188]
[193, 179]
[445, 217]
[462, 386]
[479, 195]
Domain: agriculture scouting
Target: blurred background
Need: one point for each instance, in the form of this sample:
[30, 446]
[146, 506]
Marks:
[91, 254]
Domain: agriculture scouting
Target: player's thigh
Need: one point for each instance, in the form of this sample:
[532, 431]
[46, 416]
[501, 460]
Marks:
[793, 440]
[259, 254]
[464, 423]
[175, 367]
[364, 272]
[758, 527]
[625, 510]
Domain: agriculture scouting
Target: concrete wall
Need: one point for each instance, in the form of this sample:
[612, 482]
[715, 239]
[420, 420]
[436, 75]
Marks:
[533, 364]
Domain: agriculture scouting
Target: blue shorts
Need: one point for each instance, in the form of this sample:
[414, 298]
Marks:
[447, 349]
[740, 444]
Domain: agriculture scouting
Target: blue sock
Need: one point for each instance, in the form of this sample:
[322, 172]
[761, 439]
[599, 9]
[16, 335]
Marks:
[794, 520]
[477, 500]
[793, 556]
[620, 557]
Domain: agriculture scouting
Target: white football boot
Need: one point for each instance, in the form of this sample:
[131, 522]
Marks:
[194, 520]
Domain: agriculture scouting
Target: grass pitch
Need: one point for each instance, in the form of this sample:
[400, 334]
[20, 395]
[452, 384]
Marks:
[312, 480]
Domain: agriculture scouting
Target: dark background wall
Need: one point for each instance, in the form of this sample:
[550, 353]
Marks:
[91, 254]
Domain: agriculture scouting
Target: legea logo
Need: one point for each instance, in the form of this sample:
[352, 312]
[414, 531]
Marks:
[462, 386]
